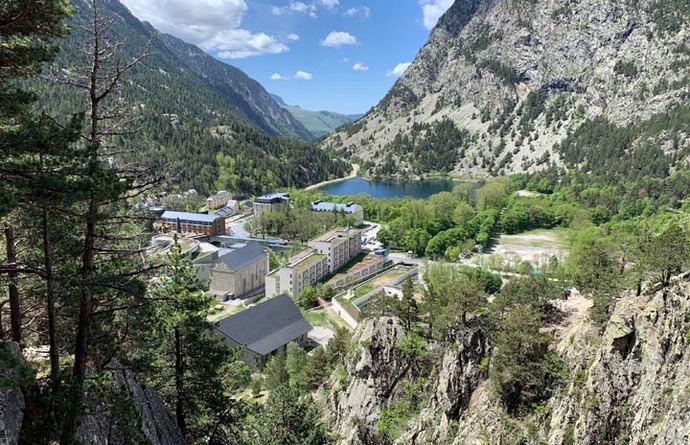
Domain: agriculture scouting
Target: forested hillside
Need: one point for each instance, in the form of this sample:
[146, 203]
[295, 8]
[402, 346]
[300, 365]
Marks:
[586, 84]
[177, 98]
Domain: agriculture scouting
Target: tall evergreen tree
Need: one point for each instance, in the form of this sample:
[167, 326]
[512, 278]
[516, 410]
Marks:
[192, 369]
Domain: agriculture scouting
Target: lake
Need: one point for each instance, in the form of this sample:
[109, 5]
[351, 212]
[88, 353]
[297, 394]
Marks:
[419, 189]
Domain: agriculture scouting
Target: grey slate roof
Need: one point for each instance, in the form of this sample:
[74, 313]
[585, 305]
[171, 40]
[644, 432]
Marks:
[240, 255]
[273, 197]
[267, 326]
[187, 216]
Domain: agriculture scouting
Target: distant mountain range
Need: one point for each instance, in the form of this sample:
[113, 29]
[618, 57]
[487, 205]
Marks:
[319, 123]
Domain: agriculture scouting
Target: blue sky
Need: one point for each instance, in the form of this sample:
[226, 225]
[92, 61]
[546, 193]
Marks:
[338, 55]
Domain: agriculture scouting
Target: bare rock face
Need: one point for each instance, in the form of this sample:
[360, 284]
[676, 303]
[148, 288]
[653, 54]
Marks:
[11, 400]
[141, 415]
[638, 386]
[518, 76]
[370, 384]
[629, 383]
[458, 379]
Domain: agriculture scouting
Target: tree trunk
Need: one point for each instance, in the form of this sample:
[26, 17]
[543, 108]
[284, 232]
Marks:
[179, 385]
[13, 287]
[50, 299]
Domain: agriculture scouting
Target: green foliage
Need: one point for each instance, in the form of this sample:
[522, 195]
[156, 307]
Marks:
[14, 373]
[507, 74]
[203, 370]
[665, 254]
[595, 272]
[524, 370]
[393, 419]
[453, 295]
[626, 68]
[288, 418]
[607, 150]
[533, 291]
[308, 298]
[181, 134]
[434, 147]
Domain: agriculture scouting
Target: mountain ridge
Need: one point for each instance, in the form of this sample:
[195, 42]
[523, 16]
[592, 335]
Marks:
[518, 79]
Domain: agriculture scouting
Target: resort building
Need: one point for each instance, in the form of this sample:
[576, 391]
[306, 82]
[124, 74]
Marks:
[355, 211]
[218, 200]
[197, 223]
[264, 330]
[304, 269]
[339, 246]
[273, 202]
[240, 272]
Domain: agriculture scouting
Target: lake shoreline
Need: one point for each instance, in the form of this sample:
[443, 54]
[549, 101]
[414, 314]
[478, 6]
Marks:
[353, 174]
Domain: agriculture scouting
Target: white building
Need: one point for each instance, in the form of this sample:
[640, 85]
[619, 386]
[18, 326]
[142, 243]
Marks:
[355, 211]
[339, 246]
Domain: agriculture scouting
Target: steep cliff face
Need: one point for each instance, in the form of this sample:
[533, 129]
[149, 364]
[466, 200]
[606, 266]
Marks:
[11, 398]
[628, 384]
[139, 415]
[517, 77]
[371, 378]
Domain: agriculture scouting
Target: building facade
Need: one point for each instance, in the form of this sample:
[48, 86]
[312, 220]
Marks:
[196, 223]
[340, 246]
[240, 272]
[306, 268]
[352, 210]
[273, 202]
[219, 200]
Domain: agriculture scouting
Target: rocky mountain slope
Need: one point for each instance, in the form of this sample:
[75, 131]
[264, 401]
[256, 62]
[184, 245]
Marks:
[628, 384]
[507, 86]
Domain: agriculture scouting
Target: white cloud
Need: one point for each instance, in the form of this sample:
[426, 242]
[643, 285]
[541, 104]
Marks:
[432, 10]
[329, 4]
[240, 43]
[298, 6]
[360, 67]
[399, 69]
[364, 11]
[336, 39]
[303, 75]
[293, 36]
[276, 76]
[214, 25]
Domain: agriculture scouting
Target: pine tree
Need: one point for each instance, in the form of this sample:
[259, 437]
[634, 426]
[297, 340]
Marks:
[289, 418]
[192, 369]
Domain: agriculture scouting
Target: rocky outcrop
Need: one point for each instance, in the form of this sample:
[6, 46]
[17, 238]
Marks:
[519, 76]
[629, 383]
[11, 398]
[637, 389]
[137, 413]
[356, 399]
[458, 378]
